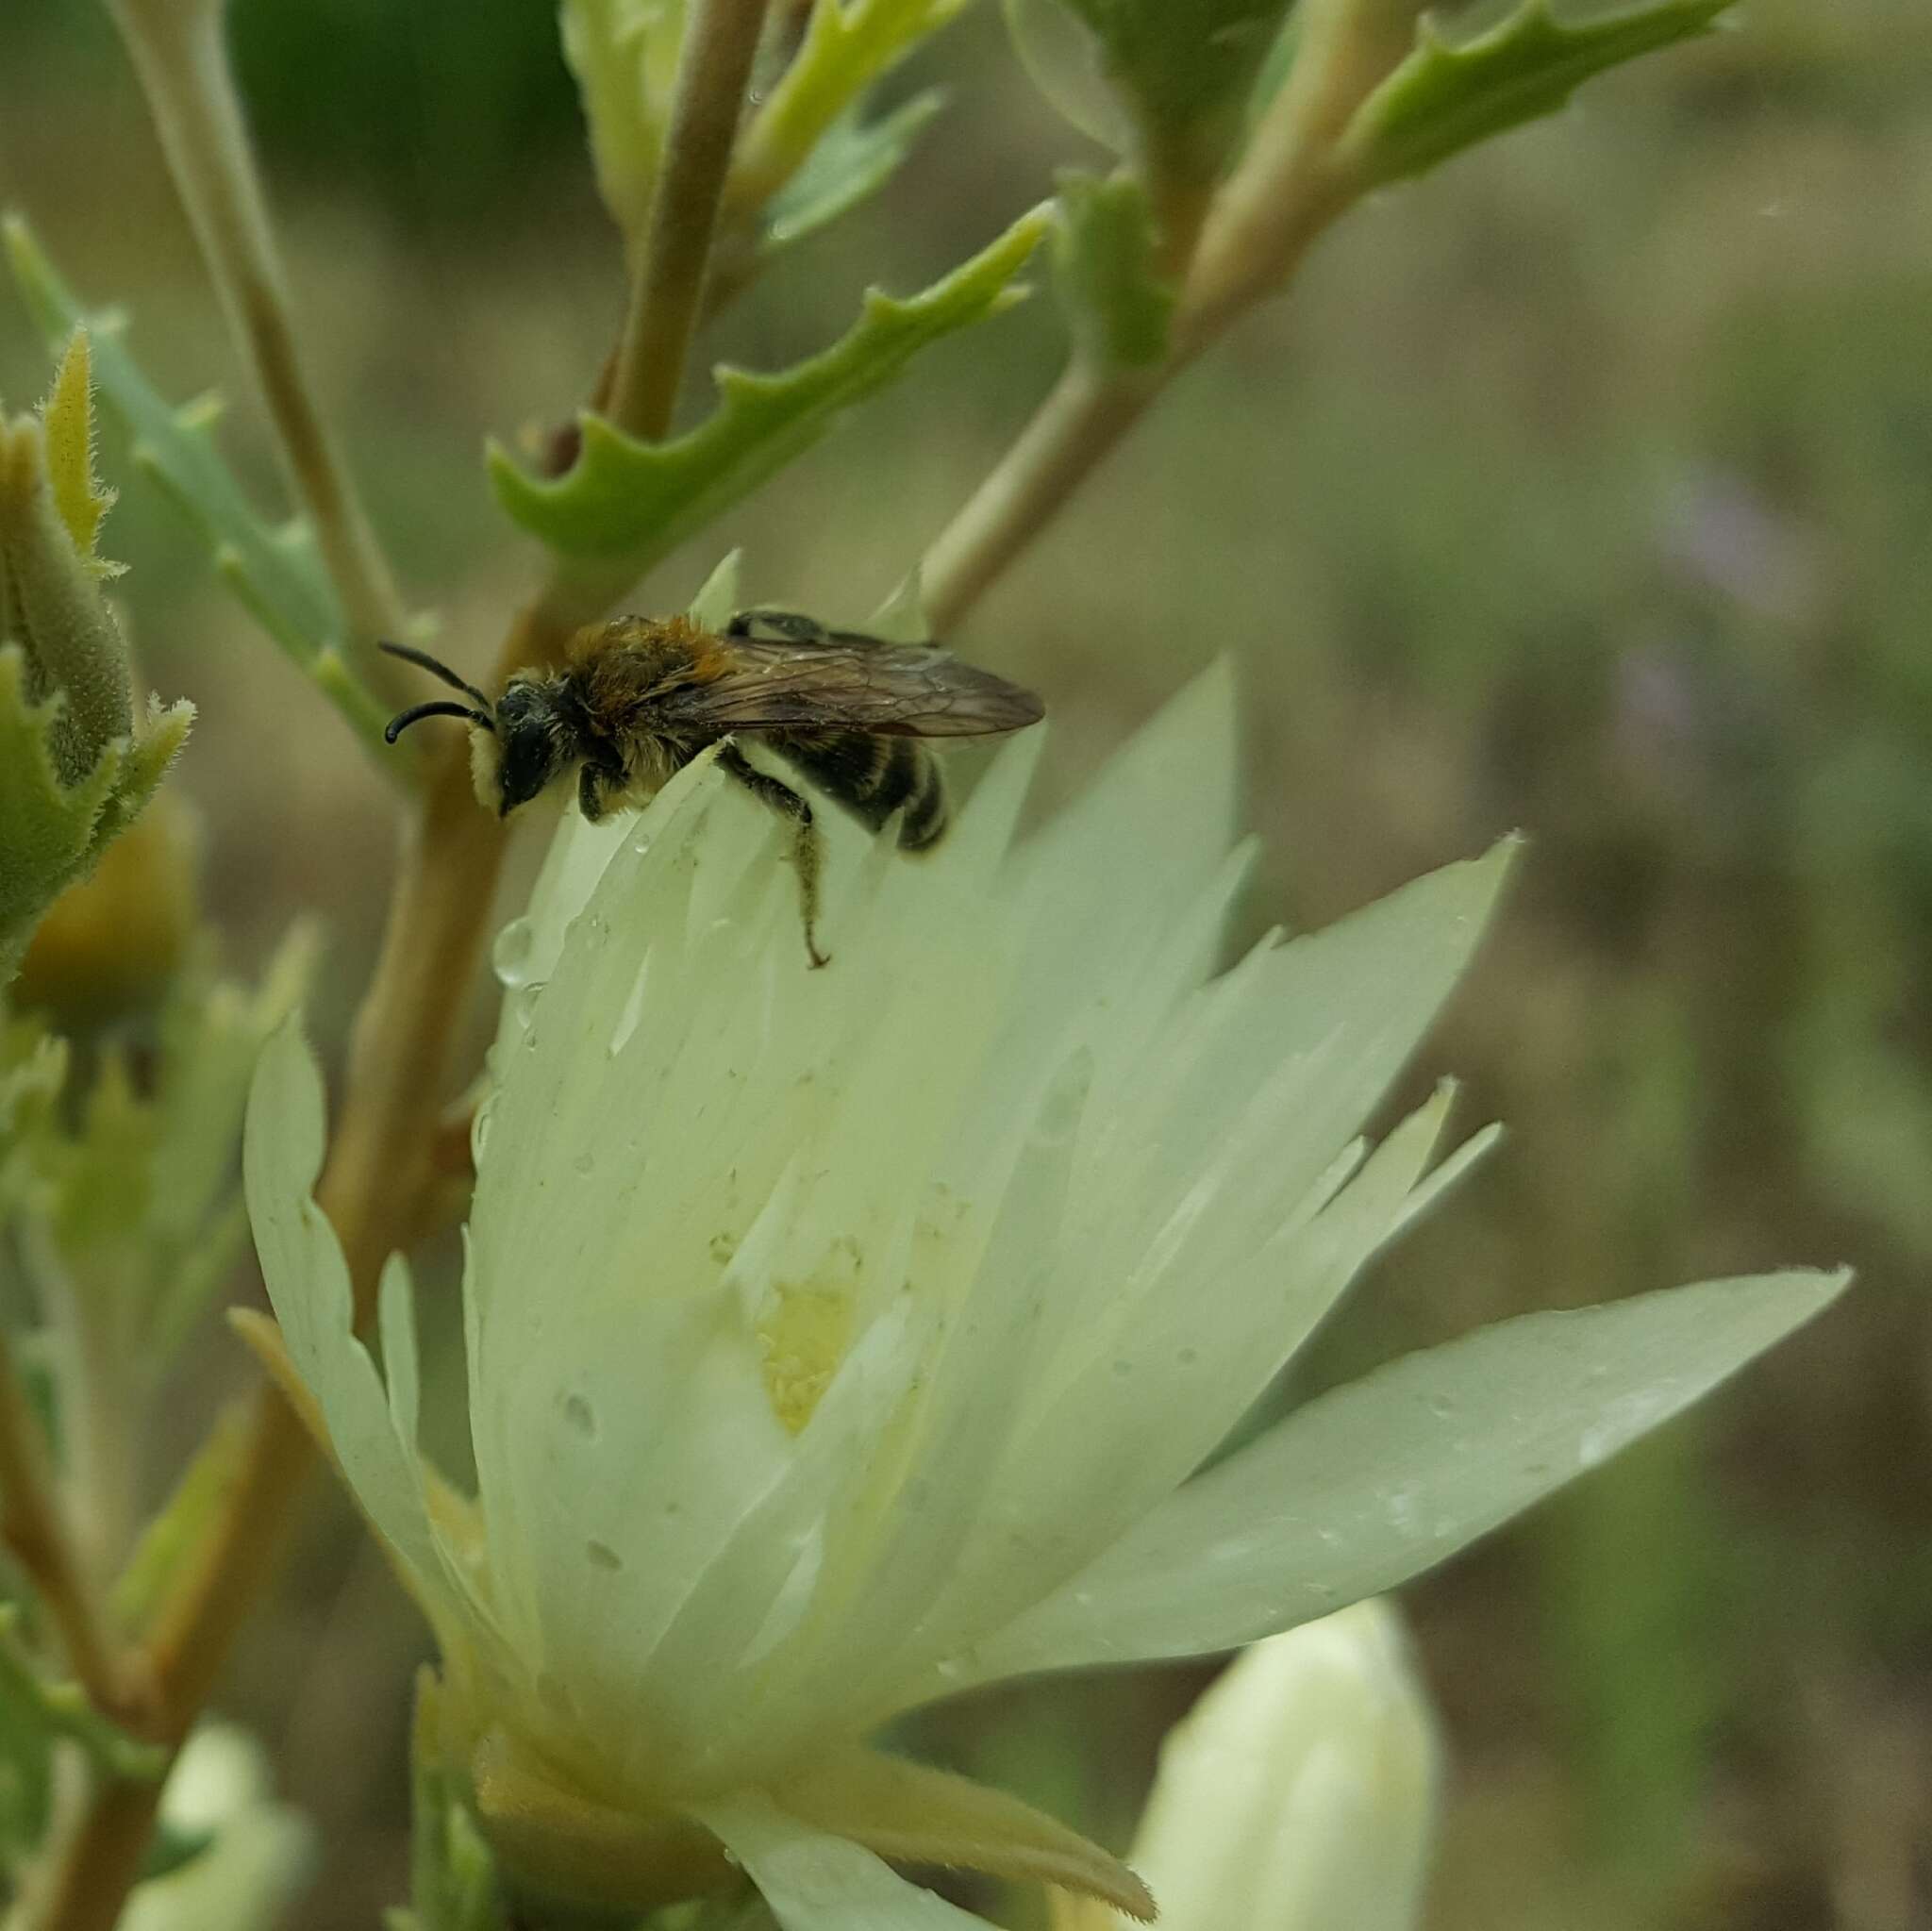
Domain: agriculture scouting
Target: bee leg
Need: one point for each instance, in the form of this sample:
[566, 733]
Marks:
[591, 793]
[804, 842]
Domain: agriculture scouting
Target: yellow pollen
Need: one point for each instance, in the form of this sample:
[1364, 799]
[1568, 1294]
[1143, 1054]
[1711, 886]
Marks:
[804, 1329]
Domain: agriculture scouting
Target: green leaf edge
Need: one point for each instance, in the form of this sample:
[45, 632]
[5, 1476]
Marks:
[633, 502]
[273, 571]
[1446, 97]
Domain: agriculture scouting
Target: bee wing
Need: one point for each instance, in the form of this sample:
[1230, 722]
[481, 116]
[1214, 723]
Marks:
[851, 683]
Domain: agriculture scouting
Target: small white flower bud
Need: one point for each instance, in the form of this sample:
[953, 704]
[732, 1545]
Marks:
[1299, 1792]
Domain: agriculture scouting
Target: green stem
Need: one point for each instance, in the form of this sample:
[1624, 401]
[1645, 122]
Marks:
[1240, 247]
[668, 295]
[177, 53]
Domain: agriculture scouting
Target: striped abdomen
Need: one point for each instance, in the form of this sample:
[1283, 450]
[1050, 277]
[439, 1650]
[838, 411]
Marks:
[873, 778]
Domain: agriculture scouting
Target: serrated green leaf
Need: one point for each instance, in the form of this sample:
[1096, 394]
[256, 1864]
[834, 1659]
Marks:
[853, 159]
[1118, 306]
[1184, 74]
[847, 45]
[626, 504]
[274, 571]
[1446, 97]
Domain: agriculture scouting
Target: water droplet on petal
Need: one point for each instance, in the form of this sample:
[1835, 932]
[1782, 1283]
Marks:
[524, 1004]
[509, 958]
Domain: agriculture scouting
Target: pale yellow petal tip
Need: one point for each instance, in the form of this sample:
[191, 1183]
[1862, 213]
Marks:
[910, 1813]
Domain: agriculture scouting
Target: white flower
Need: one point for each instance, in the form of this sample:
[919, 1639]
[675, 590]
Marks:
[259, 1853]
[840, 1339]
[1299, 1793]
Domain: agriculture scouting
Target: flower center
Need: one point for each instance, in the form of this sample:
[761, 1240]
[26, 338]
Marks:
[804, 1329]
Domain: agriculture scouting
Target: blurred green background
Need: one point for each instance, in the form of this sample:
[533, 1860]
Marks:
[1586, 488]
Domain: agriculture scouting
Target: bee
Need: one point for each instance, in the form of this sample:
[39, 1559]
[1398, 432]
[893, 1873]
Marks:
[637, 699]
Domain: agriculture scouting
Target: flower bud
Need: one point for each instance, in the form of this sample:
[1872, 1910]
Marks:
[1298, 1795]
[110, 946]
[75, 763]
[50, 596]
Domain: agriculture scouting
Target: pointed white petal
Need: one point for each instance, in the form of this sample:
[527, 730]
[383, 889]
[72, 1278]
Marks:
[309, 1286]
[816, 1882]
[717, 599]
[1388, 1475]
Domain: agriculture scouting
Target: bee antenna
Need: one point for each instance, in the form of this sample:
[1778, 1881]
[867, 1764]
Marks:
[442, 708]
[435, 666]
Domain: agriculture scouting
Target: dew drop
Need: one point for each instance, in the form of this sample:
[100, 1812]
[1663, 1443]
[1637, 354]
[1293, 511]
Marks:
[524, 1004]
[581, 1416]
[509, 958]
[604, 1557]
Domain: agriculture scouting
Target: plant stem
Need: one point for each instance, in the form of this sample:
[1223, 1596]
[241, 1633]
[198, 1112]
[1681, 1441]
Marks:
[667, 298]
[1227, 254]
[35, 1535]
[177, 53]
[381, 1160]
[1087, 412]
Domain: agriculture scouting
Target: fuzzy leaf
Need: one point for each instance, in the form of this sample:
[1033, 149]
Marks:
[629, 503]
[274, 573]
[157, 741]
[49, 825]
[853, 159]
[846, 46]
[1185, 73]
[1446, 97]
[82, 499]
[1118, 306]
[51, 606]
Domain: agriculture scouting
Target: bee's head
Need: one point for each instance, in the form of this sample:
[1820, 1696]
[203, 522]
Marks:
[529, 746]
[517, 746]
